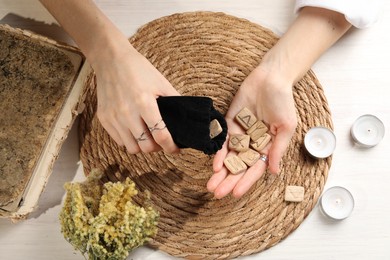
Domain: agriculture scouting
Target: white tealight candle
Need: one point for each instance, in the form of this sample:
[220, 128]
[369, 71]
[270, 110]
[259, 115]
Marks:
[320, 142]
[337, 203]
[367, 130]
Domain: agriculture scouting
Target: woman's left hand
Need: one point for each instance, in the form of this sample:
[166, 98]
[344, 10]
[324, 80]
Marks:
[270, 99]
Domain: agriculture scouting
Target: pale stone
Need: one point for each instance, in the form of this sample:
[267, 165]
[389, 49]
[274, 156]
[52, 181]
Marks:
[249, 157]
[294, 193]
[234, 164]
[257, 130]
[246, 118]
[260, 143]
[239, 142]
[215, 128]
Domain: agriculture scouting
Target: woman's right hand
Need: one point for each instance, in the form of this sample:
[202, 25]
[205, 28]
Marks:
[127, 88]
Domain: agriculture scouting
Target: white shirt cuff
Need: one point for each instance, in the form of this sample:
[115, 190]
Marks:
[360, 13]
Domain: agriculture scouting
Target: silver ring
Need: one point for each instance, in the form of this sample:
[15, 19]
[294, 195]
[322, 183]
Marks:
[143, 137]
[264, 158]
[153, 128]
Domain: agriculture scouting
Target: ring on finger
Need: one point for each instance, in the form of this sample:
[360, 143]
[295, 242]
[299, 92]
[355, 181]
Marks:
[143, 137]
[264, 158]
[157, 127]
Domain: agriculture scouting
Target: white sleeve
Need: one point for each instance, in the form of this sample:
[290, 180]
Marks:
[360, 13]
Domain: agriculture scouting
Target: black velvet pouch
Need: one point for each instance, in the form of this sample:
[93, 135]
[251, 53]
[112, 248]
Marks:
[188, 120]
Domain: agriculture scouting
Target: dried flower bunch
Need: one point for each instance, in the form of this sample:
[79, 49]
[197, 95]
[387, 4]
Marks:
[103, 221]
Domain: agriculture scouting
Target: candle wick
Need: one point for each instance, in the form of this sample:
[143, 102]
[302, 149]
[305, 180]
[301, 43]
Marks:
[338, 201]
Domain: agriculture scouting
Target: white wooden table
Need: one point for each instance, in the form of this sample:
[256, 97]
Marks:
[355, 74]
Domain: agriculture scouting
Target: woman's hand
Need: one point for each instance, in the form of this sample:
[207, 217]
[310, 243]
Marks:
[267, 91]
[127, 83]
[127, 88]
[270, 98]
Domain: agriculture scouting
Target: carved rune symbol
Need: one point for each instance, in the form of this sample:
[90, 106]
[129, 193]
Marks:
[246, 120]
[235, 140]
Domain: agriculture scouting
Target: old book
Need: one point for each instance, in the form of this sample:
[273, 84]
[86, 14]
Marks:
[41, 82]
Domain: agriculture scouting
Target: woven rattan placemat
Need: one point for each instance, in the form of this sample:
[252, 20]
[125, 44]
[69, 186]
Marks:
[210, 54]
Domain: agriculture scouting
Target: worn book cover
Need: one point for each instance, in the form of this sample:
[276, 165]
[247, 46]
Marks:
[41, 82]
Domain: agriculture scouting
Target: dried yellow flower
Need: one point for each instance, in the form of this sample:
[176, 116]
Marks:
[103, 221]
